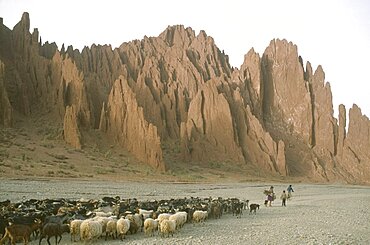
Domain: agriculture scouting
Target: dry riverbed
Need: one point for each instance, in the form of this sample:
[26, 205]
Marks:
[317, 214]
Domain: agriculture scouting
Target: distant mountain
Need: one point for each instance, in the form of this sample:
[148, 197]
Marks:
[175, 99]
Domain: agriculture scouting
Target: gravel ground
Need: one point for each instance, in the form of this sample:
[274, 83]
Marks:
[317, 214]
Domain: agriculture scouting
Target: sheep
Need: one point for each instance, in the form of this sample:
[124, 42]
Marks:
[167, 227]
[163, 216]
[53, 229]
[200, 216]
[102, 214]
[180, 219]
[75, 229]
[90, 230]
[146, 213]
[111, 229]
[103, 221]
[137, 219]
[123, 226]
[150, 226]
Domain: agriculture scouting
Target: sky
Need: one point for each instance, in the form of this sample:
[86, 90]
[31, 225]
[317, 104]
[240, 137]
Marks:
[332, 33]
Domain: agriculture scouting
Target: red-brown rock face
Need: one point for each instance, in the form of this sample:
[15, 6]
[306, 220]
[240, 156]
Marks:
[286, 102]
[71, 131]
[126, 124]
[6, 110]
[209, 128]
[322, 105]
[355, 154]
[250, 82]
[178, 92]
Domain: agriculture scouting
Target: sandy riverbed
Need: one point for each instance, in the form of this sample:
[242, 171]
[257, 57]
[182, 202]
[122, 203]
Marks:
[318, 214]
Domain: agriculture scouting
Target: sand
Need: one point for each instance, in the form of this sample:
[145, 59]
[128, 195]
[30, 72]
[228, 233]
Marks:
[317, 214]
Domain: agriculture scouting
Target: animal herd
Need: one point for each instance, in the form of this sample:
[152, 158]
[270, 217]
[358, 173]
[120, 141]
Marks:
[109, 217]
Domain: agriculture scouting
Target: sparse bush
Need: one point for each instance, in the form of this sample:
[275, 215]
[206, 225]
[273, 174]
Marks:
[47, 145]
[4, 154]
[19, 144]
[215, 165]
[108, 154]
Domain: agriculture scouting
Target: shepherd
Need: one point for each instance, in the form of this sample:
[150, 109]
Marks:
[290, 190]
[270, 196]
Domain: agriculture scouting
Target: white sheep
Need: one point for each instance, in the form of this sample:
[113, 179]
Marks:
[111, 229]
[103, 221]
[150, 226]
[102, 214]
[146, 213]
[137, 219]
[200, 216]
[75, 229]
[167, 227]
[90, 230]
[123, 226]
[180, 218]
[163, 216]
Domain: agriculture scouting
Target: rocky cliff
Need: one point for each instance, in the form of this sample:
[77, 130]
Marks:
[176, 96]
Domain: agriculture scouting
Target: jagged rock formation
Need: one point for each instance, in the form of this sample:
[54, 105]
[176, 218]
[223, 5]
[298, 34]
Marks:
[176, 96]
[125, 123]
[6, 118]
[209, 131]
[71, 131]
[355, 153]
[286, 101]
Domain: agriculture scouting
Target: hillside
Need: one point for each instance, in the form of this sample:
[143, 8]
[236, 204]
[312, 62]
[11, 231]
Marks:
[172, 106]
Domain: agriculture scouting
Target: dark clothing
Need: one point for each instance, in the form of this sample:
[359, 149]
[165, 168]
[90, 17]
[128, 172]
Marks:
[283, 203]
[283, 198]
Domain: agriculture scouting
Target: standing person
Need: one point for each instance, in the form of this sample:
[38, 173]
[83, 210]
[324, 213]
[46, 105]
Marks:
[290, 190]
[270, 196]
[283, 198]
[270, 199]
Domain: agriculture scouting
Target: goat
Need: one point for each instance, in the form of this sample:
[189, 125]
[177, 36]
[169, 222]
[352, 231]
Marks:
[53, 229]
[15, 232]
[253, 208]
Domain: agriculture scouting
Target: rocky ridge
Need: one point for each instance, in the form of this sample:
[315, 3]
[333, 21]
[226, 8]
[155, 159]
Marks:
[176, 99]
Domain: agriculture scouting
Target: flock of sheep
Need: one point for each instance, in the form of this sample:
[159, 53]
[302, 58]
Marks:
[109, 218]
[165, 223]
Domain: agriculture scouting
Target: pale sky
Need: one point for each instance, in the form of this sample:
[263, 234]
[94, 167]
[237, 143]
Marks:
[331, 33]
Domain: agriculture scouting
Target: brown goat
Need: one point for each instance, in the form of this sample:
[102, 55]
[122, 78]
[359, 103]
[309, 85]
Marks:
[53, 229]
[16, 232]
